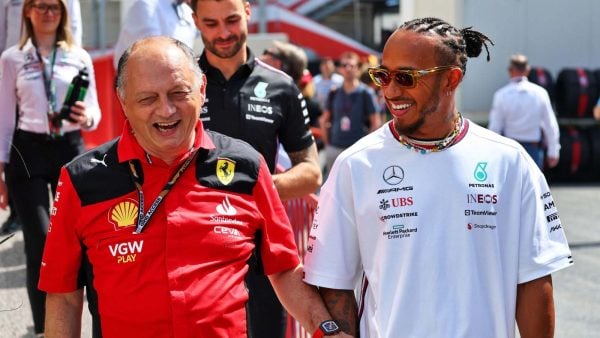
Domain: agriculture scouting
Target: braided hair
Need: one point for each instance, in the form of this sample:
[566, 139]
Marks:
[456, 44]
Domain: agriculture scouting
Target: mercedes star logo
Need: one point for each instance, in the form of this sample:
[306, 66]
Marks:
[393, 175]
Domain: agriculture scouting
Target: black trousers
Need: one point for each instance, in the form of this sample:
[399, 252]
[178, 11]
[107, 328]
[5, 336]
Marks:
[35, 162]
[267, 316]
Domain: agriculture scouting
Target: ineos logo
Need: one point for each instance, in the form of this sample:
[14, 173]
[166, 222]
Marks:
[393, 175]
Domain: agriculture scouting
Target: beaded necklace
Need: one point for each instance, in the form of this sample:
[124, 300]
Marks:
[424, 147]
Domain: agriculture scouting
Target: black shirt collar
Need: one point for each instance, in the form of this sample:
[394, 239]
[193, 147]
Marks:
[214, 73]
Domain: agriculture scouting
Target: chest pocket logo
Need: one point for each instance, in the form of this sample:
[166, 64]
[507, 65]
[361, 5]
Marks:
[225, 170]
[124, 214]
[261, 90]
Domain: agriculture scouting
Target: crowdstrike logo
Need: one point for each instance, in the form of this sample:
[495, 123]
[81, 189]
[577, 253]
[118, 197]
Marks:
[225, 208]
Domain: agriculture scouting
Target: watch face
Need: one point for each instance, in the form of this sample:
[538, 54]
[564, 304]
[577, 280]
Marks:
[330, 327]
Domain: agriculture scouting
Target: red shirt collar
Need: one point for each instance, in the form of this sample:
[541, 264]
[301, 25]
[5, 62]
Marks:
[129, 148]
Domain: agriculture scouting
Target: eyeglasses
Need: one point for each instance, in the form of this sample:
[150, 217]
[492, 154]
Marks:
[348, 65]
[45, 8]
[404, 77]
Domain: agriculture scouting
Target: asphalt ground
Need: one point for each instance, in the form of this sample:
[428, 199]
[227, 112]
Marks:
[576, 289]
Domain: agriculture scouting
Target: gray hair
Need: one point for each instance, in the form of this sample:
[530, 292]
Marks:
[121, 78]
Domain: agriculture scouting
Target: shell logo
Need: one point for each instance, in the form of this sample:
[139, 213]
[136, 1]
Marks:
[124, 214]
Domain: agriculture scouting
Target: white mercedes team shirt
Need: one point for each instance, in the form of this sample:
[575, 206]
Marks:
[443, 238]
[521, 110]
[22, 84]
[147, 18]
[10, 21]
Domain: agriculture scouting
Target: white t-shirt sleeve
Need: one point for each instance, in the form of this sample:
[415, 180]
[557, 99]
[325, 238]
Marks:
[333, 256]
[543, 247]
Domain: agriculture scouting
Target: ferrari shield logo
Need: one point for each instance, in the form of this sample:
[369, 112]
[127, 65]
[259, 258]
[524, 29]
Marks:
[225, 170]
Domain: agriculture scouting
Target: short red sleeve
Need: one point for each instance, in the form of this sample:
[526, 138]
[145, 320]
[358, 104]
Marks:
[62, 253]
[278, 248]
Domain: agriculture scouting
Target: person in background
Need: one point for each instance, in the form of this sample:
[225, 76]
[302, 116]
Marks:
[10, 31]
[288, 58]
[449, 229]
[307, 86]
[521, 110]
[597, 110]
[252, 101]
[326, 80]
[10, 22]
[177, 270]
[156, 17]
[351, 111]
[293, 61]
[36, 141]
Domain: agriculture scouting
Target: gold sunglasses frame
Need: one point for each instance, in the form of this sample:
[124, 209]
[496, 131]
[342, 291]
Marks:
[415, 74]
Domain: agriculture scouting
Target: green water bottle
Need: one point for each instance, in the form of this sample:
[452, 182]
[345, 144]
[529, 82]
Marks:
[76, 92]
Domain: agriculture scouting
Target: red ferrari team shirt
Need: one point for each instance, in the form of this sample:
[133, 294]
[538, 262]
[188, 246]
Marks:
[183, 275]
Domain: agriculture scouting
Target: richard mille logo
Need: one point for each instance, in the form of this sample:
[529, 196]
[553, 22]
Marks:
[393, 175]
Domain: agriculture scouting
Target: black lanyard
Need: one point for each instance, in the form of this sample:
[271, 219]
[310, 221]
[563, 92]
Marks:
[48, 78]
[143, 219]
[54, 124]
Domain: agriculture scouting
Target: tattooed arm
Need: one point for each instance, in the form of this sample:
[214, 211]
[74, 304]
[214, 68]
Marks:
[303, 178]
[341, 304]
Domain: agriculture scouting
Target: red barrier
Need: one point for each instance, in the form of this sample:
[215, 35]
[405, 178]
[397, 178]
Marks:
[301, 212]
[112, 120]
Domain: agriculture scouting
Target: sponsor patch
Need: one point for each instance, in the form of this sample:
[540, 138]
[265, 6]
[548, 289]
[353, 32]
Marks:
[225, 170]
[124, 214]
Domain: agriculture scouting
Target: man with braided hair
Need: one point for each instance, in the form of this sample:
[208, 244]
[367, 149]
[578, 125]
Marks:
[444, 228]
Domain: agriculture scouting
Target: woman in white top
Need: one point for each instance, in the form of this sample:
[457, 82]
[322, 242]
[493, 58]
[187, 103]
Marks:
[36, 142]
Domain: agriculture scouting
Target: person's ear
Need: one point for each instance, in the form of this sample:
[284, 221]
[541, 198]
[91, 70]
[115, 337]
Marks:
[455, 76]
[203, 88]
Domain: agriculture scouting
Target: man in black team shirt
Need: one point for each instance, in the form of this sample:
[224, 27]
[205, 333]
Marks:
[251, 101]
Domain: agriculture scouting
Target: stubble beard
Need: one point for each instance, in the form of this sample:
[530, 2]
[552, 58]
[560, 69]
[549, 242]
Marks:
[429, 109]
[229, 53]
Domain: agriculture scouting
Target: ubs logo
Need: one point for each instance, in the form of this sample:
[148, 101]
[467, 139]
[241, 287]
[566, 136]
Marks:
[393, 175]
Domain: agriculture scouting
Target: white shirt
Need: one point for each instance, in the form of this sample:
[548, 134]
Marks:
[148, 18]
[10, 22]
[443, 238]
[22, 83]
[521, 110]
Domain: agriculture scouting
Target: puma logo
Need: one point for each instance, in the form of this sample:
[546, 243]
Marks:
[95, 160]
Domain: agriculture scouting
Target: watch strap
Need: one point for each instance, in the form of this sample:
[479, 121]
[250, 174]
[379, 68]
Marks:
[326, 328]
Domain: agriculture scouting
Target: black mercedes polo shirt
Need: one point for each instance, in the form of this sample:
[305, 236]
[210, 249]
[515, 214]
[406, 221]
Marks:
[260, 105]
